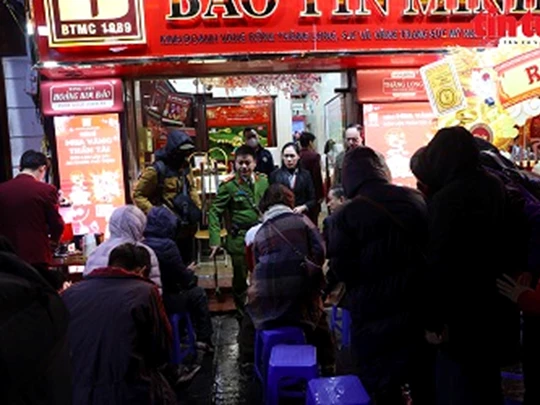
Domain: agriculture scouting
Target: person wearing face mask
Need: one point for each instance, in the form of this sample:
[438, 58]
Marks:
[295, 178]
[237, 196]
[169, 182]
[354, 137]
[263, 157]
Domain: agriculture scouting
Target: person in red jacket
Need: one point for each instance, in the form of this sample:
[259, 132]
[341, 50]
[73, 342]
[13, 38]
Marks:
[29, 215]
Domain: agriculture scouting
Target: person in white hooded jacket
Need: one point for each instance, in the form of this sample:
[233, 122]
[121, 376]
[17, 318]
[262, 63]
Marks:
[126, 225]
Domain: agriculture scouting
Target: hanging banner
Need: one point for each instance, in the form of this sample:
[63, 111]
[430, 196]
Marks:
[519, 78]
[81, 97]
[90, 169]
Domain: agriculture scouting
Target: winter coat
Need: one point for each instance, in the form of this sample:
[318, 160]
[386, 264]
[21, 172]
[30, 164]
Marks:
[281, 292]
[119, 337]
[304, 191]
[311, 161]
[35, 366]
[467, 209]
[148, 192]
[29, 217]
[159, 236]
[376, 249]
[126, 225]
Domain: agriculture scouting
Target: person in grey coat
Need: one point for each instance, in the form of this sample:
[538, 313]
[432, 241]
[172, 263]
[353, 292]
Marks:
[126, 225]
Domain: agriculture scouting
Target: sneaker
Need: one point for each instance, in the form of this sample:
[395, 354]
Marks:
[187, 373]
[206, 348]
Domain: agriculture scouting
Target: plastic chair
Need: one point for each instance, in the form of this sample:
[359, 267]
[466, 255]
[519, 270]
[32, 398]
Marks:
[265, 340]
[344, 328]
[290, 366]
[182, 320]
[342, 390]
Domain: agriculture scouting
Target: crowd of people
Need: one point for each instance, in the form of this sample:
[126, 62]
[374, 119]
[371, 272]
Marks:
[434, 305]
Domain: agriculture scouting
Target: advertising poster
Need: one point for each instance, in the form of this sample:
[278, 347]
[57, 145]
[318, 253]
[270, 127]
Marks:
[226, 124]
[90, 169]
[397, 131]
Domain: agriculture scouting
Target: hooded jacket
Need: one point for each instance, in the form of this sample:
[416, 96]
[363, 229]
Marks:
[148, 191]
[126, 225]
[375, 243]
[467, 210]
[160, 235]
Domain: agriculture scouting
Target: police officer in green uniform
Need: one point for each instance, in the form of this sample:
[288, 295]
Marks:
[239, 196]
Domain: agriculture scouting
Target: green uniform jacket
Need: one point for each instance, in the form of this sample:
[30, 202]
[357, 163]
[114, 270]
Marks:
[237, 198]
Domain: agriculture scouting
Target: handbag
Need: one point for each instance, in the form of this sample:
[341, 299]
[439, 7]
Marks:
[312, 269]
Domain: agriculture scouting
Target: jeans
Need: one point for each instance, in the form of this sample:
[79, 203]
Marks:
[194, 301]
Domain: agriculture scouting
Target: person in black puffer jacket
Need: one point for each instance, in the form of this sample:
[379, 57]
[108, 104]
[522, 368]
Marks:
[179, 283]
[376, 243]
[467, 208]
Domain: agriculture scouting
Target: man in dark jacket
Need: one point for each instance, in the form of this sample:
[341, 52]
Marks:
[29, 215]
[119, 334]
[467, 208]
[376, 243]
[35, 366]
[179, 283]
[160, 183]
[310, 160]
[265, 160]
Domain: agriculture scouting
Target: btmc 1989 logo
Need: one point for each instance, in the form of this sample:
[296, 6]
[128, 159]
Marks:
[95, 22]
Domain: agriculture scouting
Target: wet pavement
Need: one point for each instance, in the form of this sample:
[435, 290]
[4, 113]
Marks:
[220, 381]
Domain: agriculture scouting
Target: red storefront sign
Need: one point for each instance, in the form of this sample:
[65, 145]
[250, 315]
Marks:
[81, 97]
[380, 85]
[197, 28]
[95, 22]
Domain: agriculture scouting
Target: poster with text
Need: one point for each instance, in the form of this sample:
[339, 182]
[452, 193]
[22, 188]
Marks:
[397, 130]
[90, 170]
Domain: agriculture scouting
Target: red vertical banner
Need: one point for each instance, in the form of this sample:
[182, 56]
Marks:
[90, 169]
[397, 131]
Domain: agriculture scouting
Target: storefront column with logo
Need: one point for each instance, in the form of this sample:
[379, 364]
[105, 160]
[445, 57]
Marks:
[88, 149]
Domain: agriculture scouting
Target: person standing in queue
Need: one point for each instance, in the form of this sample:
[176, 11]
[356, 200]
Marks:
[169, 182]
[29, 216]
[297, 179]
[238, 196]
[263, 157]
[354, 137]
[310, 160]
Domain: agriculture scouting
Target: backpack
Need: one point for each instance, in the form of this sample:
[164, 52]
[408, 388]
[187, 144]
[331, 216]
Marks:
[33, 337]
[189, 215]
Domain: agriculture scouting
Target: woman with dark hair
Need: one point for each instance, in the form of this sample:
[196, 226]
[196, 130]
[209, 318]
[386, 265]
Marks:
[284, 291]
[291, 175]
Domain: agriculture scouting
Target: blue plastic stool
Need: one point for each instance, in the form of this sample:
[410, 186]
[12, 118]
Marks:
[344, 328]
[343, 390]
[290, 365]
[182, 319]
[265, 340]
